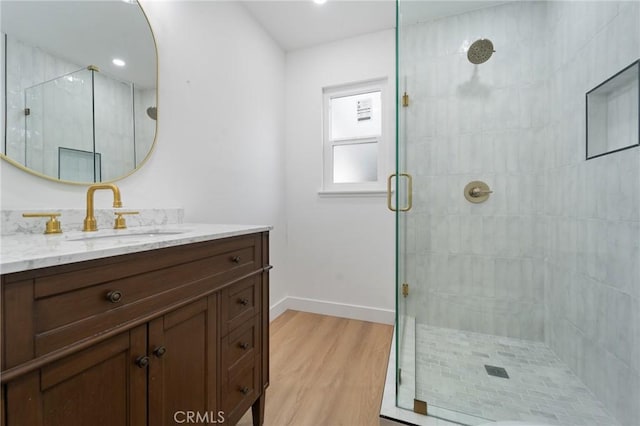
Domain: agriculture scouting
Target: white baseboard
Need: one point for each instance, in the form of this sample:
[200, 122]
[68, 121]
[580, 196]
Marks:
[324, 307]
[278, 309]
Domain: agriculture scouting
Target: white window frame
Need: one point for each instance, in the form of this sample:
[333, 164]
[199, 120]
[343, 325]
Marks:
[377, 187]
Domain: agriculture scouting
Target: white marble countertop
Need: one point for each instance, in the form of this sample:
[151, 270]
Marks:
[22, 252]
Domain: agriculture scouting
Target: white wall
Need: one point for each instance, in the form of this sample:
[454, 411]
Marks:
[220, 143]
[341, 250]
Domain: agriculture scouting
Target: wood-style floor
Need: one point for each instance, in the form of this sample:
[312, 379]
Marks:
[325, 371]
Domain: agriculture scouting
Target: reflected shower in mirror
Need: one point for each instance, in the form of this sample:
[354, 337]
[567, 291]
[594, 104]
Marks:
[75, 112]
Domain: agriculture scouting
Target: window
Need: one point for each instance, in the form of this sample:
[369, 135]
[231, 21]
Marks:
[355, 155]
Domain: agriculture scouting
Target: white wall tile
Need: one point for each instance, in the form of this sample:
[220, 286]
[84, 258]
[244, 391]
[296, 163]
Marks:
[565, 228]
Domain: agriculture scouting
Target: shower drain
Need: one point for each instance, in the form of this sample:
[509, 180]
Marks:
[496, 371]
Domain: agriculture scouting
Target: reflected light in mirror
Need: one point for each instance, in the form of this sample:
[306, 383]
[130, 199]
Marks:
[118, 62]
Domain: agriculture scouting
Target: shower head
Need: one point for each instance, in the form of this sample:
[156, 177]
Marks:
[152, 112]
[480, 51]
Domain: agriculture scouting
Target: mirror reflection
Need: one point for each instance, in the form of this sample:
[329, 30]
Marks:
[80, 88]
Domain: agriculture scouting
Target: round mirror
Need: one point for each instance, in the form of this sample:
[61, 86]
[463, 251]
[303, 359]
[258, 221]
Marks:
[80, 88]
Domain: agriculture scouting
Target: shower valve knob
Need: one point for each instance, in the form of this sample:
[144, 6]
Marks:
[479, 192]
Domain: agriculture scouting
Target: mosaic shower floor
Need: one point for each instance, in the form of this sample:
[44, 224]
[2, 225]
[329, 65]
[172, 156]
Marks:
[452, 374]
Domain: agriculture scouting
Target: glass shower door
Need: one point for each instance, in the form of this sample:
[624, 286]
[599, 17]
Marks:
[401, 184]
[466, 249]
[519, 254]
[59, 127]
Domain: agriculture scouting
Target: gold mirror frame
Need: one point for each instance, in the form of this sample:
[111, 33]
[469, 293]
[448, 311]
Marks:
[139, 166]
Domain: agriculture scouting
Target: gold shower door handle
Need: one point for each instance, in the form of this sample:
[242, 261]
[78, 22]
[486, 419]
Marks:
[409, 192]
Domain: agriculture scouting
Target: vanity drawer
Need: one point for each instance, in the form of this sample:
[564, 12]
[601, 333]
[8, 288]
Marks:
[233, 254]
[240, 303]
[65, 308]
[61, 309]
[240, 345]
[84, 305]
[240, 391]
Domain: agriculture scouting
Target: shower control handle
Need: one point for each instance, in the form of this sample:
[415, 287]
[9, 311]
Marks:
[479, 192]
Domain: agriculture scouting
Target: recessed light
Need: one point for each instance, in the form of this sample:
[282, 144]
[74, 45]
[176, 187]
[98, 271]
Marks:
[118, 62]
[319, 1]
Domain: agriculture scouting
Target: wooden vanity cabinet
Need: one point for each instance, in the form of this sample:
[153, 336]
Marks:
[97, 385]
[182, 373]
[148, 338]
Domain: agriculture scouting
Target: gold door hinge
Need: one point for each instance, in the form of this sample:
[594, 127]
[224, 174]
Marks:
[405, 100]
[405, 289]
[27, 111]
[419, 407]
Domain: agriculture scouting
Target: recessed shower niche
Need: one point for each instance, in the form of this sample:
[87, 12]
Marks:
[613, 121]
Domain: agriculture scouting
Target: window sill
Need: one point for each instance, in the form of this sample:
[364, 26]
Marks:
[353, 193]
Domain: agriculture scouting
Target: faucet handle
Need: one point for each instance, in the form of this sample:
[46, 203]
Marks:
[52, 226]
[120, 222]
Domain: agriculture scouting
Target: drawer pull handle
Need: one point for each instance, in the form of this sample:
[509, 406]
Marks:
[244, 301]
[159, 352]
[236, 259]
[244, 345]
[142, 361]
[244, 390]
[114, 296]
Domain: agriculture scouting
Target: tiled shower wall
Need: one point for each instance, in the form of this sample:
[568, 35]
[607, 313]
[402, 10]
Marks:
[145, 125]
[114, 123]
[553, 255]
[592, 209]
[477, 266]
[29, 66]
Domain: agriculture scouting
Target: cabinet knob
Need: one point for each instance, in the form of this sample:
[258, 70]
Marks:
[236, 259]
[114, 296]
[244, 390]
[159, 352]
[142, 361]
[244, 301]
[244, 345]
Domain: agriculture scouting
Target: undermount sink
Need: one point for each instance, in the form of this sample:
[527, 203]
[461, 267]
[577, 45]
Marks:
[146, 233]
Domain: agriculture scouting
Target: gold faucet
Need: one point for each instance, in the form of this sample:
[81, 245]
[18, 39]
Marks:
[90, 223]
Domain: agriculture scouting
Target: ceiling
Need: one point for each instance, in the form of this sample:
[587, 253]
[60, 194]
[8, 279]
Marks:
[296, 24]
[108, 28]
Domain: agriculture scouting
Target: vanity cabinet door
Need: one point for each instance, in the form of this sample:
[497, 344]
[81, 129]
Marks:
[105, 384]
[183, 364]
